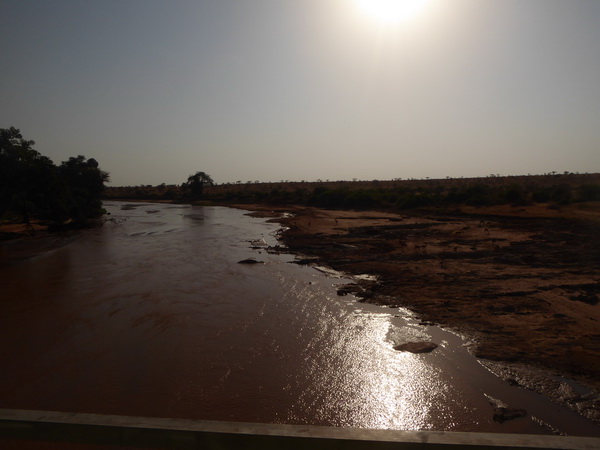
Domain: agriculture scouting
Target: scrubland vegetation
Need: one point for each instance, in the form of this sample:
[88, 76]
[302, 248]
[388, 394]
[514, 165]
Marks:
[556, 189]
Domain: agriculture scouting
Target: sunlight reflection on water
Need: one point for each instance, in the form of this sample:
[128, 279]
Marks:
[153, 316]
[356, 376]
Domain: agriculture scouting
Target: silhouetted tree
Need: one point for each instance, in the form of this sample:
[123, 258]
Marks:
[194, 187]
[31, 186]
[26, 177]
[86, 183]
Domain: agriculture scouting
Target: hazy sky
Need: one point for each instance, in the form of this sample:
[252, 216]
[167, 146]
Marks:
[275, 90]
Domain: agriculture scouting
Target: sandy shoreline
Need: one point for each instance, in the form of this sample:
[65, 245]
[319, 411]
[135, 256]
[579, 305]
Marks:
[522, 283]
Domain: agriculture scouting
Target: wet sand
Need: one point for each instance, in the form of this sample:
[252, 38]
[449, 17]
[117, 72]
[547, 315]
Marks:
[522, 282]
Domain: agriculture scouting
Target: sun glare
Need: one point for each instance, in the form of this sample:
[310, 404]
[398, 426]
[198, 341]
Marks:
[392, 11]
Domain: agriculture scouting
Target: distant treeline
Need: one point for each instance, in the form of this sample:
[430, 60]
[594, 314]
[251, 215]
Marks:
[559, 189]
[32, 187]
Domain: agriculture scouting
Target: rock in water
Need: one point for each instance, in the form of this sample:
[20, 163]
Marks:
[503, 414]
[416, 347]
[249, 261]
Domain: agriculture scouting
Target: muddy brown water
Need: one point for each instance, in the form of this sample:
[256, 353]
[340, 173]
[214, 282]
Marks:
[151, 315]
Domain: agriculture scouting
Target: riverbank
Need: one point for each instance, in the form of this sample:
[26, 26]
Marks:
[522, 282]
[21, 242]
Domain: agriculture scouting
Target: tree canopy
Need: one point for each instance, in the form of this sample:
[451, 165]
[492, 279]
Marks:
[194, 187]
[33, 187]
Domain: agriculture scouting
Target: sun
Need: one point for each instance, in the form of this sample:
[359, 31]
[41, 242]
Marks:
[392, 11]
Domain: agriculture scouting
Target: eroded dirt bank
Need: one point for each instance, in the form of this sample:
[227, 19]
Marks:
[524, 283]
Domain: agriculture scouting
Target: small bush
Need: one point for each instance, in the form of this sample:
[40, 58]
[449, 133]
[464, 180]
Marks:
[588, 193]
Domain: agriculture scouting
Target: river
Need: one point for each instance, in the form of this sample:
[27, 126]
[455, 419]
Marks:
[151, 315]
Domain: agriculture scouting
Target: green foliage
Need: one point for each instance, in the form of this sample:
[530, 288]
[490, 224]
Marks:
[32, 187]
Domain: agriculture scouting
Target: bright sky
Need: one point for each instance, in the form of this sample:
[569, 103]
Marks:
[296, 90]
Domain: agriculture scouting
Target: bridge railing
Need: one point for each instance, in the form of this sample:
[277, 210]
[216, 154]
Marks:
[164, 433]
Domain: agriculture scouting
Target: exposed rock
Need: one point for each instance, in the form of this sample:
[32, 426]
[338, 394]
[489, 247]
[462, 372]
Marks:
[304, 261]
[475, 291]
[586, 402]
[130, 206]
[258, 243]
[416, 347]
[503, 414]
[276, 250]
[351, 288]
[250, 261]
